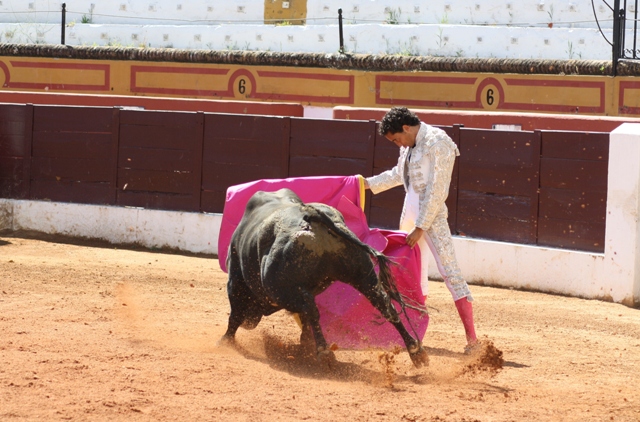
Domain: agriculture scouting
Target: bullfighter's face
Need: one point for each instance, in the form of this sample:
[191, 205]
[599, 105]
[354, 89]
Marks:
[406, 138]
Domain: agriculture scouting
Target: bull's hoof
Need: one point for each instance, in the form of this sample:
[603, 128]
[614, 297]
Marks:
[327, 358]
[226, 341]
[251, 322]
[420, 357]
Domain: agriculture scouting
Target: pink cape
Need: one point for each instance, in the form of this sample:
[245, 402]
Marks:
[346, 316]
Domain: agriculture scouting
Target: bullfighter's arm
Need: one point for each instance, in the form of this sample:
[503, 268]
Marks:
[385, 180]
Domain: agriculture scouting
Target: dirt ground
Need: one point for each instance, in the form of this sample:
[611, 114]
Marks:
[91, 331]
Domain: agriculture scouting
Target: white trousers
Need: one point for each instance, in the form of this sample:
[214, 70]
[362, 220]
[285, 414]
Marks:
[437, 241]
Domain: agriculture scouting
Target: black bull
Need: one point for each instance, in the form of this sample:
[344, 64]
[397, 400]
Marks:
[285, 252]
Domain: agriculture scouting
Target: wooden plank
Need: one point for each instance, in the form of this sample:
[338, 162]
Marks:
[534, 193]
[11, 168]
[283, 144]
[213, 201]
[12, 145]
[574, 205]
[156, 200]
[65, 191]
[13, 113]
[491, 178]
[386, 153]
[72, 145]
[575, 145]
[222, 176]
[156, 159]
[70, 169]
[498, 162]
[331, 139]
[253, 151]
[324, 166]
[154, 181]
[12, 127]
[383, 218]
[196, 168]
[386, 208]
[356, 148]
[574, 174]
[494, 206]
[154, 118]
[28, 150]
[12, 188]
[452, 198]
[373, 129]
[72, 119]
[234, 128]
[567, 234]
[500, 148]
[113, 155]
[340, 132]
[12, 183]
[165, 137]
[493, 228]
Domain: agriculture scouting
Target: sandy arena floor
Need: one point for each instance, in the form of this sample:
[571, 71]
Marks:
[90, 331]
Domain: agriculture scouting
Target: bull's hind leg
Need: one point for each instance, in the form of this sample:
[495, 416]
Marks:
[245, 310]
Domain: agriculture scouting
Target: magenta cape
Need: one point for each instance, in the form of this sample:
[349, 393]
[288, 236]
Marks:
[346, 316]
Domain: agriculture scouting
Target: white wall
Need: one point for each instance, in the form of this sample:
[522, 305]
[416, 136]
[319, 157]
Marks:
[613, 275]
[193, 232]
[479, 28]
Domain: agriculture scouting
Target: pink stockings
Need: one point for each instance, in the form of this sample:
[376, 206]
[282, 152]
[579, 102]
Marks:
[465, 310]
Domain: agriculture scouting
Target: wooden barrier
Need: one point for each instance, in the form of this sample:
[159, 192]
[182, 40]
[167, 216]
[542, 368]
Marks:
[544, 188]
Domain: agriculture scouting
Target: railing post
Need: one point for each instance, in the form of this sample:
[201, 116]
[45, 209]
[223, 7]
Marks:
[64, 23]
[340, 27]
[618, 36]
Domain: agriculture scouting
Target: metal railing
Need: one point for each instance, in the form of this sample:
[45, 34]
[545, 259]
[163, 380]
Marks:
[623, 47]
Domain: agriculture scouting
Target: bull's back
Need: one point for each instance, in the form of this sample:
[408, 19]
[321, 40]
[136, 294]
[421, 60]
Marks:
[258, 223]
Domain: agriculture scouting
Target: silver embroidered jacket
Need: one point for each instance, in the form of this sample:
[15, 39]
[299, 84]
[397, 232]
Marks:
[429, 172]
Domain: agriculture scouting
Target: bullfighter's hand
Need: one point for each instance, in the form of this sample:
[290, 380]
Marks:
[414, 236]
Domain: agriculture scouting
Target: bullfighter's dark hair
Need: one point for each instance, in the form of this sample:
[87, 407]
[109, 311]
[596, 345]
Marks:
[395, 118]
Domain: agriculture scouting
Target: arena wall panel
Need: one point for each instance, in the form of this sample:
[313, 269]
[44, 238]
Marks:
[16, 131]
[70, 154]
[573, 190]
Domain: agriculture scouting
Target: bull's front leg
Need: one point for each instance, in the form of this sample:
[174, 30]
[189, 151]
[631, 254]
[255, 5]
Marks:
[382, 303]
[310, 318]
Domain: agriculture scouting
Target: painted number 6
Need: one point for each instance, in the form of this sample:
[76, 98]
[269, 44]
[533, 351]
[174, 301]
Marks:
[490, 96]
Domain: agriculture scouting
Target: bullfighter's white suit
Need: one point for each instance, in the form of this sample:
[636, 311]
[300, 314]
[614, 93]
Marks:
[425, 171]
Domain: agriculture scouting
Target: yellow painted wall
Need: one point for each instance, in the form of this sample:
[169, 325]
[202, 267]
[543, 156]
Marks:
[582, 95]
